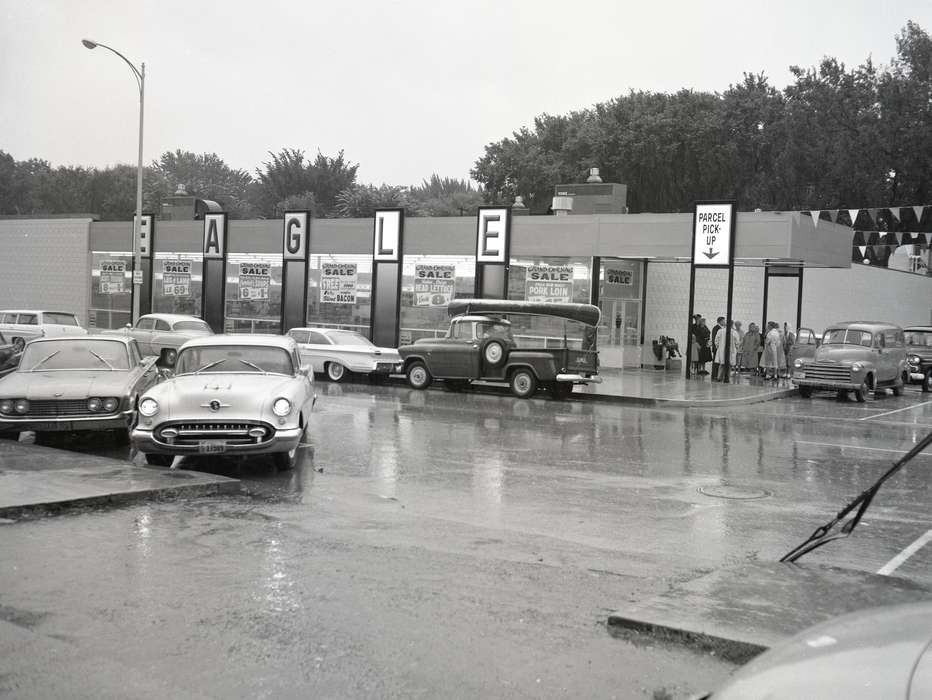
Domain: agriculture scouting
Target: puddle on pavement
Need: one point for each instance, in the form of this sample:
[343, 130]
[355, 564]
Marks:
[737, 493]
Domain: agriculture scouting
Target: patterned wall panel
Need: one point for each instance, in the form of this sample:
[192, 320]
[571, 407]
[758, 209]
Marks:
[44, 264]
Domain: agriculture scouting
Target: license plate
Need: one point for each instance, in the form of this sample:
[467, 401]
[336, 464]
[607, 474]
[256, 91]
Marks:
[208, 447]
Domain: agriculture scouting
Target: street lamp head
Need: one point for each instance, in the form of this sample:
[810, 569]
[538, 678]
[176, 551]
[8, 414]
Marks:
[88, 44]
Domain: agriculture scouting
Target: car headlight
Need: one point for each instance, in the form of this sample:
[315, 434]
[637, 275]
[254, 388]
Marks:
[93, 405]
[148, 406]
[110, 404]
[914, 359]
[798, 364]
[857, 366]
[6, 406]
[21, 406]
[281, 407]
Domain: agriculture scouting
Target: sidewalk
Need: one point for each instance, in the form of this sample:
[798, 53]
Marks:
[36, 479]
[661, 388]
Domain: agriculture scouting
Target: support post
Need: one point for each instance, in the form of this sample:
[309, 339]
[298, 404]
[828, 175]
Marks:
[799, 300]
[493, 250]
[296, 247]
[214, 250]
[387, 259]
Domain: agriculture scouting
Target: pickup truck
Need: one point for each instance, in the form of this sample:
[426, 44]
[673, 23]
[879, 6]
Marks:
[919, 355]
[163, 334]
[481, 344]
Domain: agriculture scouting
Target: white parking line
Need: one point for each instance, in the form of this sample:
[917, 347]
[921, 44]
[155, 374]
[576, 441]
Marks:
[889, 413]
[895, 563]
[858, 447]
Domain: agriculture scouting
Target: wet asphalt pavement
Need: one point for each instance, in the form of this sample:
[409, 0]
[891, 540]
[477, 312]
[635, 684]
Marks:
[459, 545]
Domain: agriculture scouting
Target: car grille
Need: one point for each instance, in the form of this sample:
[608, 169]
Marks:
[828, 371]
[233, 433]
[55, 409]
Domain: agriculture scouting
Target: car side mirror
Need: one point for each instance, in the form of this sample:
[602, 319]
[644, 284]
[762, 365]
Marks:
[129, 325]
[305, 370]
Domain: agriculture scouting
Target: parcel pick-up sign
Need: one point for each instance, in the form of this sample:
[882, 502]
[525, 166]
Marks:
[712, 234]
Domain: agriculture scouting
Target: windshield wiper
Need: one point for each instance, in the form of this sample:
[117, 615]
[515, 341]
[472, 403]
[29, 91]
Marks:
[109, 366]
[209, 365]
[828, 533]
[44, 360]
[257, 367]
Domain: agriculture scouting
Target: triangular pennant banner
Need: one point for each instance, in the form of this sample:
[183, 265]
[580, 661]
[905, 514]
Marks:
[872, 213]
[862, 249]
[920, 239]
[878, 250]
[853, 213]
[833, 215]
[918, 210]
[895, 214]
[896, 237]
[815, 217]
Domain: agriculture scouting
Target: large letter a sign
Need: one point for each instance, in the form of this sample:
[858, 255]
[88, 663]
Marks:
[215, 236]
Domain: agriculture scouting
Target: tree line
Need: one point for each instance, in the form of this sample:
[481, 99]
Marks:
[835, 138]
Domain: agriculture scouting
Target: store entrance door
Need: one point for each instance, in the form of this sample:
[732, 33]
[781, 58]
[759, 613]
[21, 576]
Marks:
[620, 302]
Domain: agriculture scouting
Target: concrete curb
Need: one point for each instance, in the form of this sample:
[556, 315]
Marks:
[36, 510]
[729, 648]
[659, 402]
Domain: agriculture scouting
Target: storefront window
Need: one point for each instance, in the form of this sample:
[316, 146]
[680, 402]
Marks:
[176, 281]
[253, 293]
[429, 282]
[550, 279]
[620, 302]
[111, 285]
[339, 292]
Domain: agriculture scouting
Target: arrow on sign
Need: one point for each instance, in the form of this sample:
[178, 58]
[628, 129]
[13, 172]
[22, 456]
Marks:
[710, 254]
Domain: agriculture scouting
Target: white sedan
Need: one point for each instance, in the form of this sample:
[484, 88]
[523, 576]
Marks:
[337, 352]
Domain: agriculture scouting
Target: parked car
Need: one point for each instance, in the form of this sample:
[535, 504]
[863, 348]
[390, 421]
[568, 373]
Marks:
[74, 384]
[21, 326]
[804, 347]
[336, 353]
[858, 356]
[881, 652]
[480, 345]
[162, 334]
[919, 355]
[238, 395]
[9, 355]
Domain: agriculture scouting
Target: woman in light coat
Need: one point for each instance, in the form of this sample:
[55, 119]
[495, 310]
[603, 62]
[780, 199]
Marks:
[773, 360]
[750, 347]
[732, 351]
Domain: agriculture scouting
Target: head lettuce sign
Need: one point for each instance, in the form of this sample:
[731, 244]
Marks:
[434, 285]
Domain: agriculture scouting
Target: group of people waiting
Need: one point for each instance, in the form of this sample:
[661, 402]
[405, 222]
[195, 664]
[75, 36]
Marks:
[748, 351]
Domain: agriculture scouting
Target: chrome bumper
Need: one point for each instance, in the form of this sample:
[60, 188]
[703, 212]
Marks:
[579, 379]
[283, 441]
[916, 376]
[68, 424]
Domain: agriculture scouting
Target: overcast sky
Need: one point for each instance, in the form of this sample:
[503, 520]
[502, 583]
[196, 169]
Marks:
[407, 88]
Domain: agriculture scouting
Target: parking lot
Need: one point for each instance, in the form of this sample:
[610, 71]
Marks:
[455, 547]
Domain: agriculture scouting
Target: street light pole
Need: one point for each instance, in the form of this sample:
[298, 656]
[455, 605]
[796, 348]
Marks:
[140, 75]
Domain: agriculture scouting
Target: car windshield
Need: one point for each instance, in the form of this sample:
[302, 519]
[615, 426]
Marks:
[75, 354]
[349, 338]
[192, 326]
[60, 319]
[846, 336]
[234, 358]
[922, 339]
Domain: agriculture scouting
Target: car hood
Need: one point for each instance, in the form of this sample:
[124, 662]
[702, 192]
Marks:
[921, 350]
[64, 384]
[240, 395]
[867, 654]
[843, 354]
